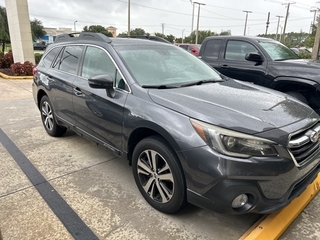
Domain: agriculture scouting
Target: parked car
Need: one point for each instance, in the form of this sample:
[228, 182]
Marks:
[191, 48]
[190, 134]
[264, 62]
[40, 45]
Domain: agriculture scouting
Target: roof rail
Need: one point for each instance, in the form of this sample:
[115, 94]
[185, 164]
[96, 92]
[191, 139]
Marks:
[82, 36]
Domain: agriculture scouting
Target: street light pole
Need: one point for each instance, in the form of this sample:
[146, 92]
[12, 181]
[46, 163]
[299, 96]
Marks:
[128, 18]
[278, 26]
[74, 25]
[197, 32]
[245, 24]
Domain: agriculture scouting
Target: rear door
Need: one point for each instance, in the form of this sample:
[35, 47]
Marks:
[59, 79]
[210, 52]
[98, 115]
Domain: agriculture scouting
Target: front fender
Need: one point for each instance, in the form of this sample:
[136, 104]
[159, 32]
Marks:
[280, 83]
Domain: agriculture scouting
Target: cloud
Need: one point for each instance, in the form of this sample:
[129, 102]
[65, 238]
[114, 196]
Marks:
[176, 15]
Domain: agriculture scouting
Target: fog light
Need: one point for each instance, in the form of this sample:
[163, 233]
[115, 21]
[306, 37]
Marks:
[240, 201]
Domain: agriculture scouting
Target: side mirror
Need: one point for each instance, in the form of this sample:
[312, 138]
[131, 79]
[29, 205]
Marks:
[254, 57]
[103, 82]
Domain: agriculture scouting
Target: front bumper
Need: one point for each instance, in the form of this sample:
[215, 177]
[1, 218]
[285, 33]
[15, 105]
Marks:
[214, 181]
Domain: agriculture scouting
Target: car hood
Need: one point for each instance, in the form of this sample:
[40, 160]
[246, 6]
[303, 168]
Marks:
[302, 68]
[235, 105]
[304, 62]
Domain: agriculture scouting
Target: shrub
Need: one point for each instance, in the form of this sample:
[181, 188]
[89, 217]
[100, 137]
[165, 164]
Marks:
[304, 55]
[19, 69]
[7, 60]
[37, 57]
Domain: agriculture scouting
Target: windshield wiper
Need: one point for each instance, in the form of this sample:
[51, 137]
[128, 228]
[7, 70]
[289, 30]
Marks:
[201, 82]
[158, 86]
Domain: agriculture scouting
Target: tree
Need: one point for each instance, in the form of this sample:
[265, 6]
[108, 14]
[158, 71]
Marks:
[4, 28]
[37, 30]
[97, 29]
[225, 33]
[292, 39]
[134, 32]
[201, 36]
[170, 38]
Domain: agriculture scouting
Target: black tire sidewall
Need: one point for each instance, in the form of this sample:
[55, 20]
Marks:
[178, 199]
[56, 130]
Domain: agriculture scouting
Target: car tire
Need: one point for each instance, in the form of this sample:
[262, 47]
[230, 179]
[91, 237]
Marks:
[158, 175]
[48, 118]
[298, 96]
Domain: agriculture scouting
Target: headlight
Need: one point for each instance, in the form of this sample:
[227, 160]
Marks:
[233, 143]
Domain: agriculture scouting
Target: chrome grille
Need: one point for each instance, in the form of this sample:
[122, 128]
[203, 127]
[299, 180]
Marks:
[304, 144]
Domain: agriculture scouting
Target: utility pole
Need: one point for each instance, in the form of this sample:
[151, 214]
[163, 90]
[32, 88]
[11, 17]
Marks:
[314, 18]
[162, 24]
[286, 20]
[197, 32]
[245, 23]
[128, 18]
[192, 17]
[268, 22]
[315, 49]
[182, 36]
[278, 26]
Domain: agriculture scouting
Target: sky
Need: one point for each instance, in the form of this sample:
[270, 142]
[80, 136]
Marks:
[174, 16]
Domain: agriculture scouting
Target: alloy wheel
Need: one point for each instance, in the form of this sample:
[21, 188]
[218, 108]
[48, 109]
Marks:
[155, 176]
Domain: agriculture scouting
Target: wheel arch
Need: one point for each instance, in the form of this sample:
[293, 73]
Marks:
[150, 129]
[40, 94]
[308, 88]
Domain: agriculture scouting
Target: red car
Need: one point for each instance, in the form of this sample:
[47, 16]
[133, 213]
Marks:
[192, 48]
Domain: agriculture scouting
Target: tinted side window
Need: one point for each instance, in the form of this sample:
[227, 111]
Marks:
[68, 60]
[212, 48]
[47, 60]
[237, 50]
[97, 62]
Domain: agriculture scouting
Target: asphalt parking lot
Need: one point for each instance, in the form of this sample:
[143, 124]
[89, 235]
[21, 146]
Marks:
[68, 188]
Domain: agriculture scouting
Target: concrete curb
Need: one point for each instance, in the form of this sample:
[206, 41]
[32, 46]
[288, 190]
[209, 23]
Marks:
[14, 77]
[273, 226]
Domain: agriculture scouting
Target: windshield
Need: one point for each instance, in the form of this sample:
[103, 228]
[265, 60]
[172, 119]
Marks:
[277, 51]
[165, 66]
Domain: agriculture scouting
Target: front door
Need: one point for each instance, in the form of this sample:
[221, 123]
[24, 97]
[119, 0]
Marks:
[97, 114]
[234, 64]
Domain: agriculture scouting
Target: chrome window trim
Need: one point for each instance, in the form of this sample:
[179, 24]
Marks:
[116, 65]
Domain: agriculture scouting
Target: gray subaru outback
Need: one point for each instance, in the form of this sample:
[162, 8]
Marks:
[190, 134]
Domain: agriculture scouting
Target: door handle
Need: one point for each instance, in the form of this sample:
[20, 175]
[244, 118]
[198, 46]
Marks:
[225, 66]
[78, 92]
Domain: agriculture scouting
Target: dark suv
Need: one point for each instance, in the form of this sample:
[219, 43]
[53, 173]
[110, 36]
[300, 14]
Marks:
[189, 134]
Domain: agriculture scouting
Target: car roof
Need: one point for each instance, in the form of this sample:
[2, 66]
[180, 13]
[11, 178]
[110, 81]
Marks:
[89, 37]
[243, 38]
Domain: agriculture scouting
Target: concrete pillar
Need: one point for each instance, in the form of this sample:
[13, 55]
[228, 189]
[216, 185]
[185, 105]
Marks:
[20, 30]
